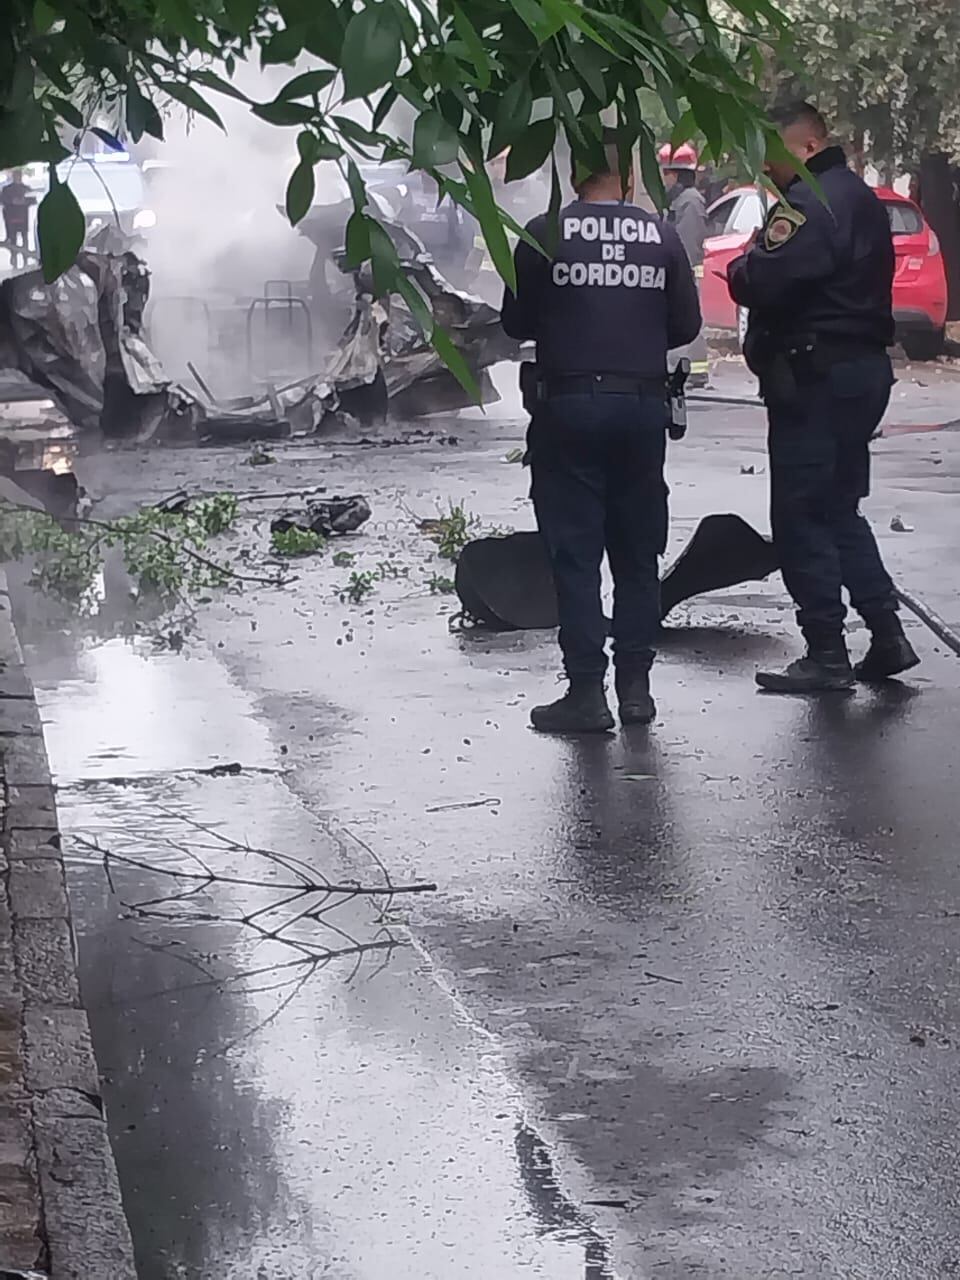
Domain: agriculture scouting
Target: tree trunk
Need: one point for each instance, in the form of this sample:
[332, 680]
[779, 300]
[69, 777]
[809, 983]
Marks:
[940, 207]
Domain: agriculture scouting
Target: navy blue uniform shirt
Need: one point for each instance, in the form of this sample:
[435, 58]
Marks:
[823, 269]
[617, 294]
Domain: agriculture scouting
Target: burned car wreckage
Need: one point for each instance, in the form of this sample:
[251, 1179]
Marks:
[85, 340]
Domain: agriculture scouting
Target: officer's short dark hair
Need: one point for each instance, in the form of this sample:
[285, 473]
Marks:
[611, 154]
[789, 113]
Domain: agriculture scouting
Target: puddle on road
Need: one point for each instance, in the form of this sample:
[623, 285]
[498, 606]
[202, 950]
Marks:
[275, 1114]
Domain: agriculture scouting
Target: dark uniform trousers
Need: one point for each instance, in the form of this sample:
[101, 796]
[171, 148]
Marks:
[820, 470]
[597, 466]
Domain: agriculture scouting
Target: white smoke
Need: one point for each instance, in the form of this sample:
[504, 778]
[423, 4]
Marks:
[218, 199]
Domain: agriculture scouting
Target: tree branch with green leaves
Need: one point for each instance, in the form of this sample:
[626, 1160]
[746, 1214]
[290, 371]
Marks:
[475, 76]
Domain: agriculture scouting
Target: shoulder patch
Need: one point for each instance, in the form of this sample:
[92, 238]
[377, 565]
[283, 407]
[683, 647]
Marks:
[782, 225]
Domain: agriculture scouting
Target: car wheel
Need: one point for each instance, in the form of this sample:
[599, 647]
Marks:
[743, 316]
[924, 344]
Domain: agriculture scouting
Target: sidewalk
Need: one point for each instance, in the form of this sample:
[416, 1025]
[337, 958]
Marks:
[60, 1210]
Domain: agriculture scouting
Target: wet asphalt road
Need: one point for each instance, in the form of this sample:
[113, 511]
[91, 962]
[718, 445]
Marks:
[684, 1002]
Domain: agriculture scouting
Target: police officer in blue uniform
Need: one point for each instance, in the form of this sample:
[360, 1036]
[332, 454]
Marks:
[818, 284]
[616, 294]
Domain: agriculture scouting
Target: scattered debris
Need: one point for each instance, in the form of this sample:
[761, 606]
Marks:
[81, 340]
[383, 354]
[344, 559]
[898, 525]
[515, 455]
[489, 802]
[260, 457]
[326, 516]
[751, 469]
[661, 977]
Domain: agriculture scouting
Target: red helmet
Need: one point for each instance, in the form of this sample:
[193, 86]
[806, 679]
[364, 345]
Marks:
[682, 157]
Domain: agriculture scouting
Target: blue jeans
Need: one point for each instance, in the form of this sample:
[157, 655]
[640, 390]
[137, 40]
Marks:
[597, 466]
[819, 471]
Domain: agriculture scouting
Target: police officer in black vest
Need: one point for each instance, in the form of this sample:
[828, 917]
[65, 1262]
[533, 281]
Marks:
[818, 284]
[617, 293]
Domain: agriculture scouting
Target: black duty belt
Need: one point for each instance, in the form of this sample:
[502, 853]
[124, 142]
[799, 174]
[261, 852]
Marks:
[580, 384]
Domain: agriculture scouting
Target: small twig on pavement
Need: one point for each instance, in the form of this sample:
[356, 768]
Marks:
[661, 977]
[491, 802]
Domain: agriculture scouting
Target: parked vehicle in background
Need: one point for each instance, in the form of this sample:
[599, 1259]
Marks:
[919, 286]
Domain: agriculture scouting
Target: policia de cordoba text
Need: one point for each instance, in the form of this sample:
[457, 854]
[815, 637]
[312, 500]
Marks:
[614, 234]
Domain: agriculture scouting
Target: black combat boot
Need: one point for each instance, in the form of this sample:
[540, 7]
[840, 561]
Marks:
[582, 709]
[825, 668]
[890, 652]
[633, 695]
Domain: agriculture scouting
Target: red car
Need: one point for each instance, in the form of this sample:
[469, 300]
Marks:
[919, 287]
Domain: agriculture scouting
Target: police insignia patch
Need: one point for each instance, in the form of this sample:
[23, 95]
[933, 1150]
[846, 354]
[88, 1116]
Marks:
[783, 225]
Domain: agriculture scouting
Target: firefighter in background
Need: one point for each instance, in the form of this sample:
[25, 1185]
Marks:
[687, 210]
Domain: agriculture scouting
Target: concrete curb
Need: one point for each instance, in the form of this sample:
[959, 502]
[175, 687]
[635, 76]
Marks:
[60, 1164]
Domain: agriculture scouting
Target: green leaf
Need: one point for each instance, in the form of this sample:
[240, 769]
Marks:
[66, 110]
[308, 147]
[357, 239]
[300, 192]
[142, 115]
[209, 78]
[534, 16]
[487, 214]
[43, 16]
[371, 50]
[107, 138]
[181, 16]
[590, 64]
[52, 70]
[324, 35]
[285, 45]
[284, 113]
[306, 85]
[60, 229]
[19, 88]
[357, 134]
[579, 19]
[474, 46]
[707, 116]
[383, 256]
[455, 362]
[435, 142]
[188, 96]
[358, 190]
[241, 14]
[417, 302]
[512, 116]
[384, 106]
[684, 129]
[552, 238]
[531, 149]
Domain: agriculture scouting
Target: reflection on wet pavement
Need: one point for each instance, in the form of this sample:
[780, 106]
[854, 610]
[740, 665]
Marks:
[703, 977]
[273, 1117]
